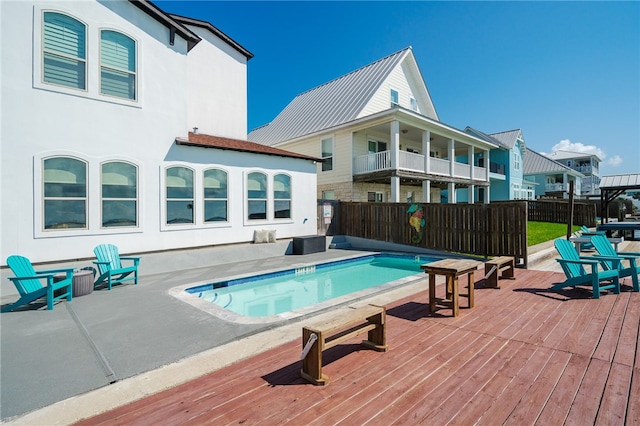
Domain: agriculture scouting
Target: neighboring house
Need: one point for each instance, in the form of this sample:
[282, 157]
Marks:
[380, 137]
[506, 168]
[550, 179]
[587, 164]
[98, 102]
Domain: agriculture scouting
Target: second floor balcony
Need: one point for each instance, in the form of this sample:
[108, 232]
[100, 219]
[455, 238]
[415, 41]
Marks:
[418, 163]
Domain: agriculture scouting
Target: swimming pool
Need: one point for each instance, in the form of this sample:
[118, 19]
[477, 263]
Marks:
[282, 292]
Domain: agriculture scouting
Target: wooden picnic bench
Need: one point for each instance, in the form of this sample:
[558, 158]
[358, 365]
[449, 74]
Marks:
[346, 324]
[451, 269]
[499, 267]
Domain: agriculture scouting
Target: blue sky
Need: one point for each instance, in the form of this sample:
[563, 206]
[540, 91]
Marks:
[566, 73]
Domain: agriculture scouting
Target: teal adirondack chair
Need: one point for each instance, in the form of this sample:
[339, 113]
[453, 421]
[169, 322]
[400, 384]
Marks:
[30, 283]
[110, 266]
[574, 268]
[606, 251]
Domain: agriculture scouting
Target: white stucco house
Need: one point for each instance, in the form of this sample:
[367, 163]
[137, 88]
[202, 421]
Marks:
[124, 124]
[380, 137]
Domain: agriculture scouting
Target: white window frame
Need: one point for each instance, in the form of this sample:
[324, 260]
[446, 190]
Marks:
[413, 104]
[136, 199]
[332, 156]
[165, 199]
[41, 51]
[205, 198]
[267, 199]
[393, 91]
[101, 66]
[85, 199]
[290, 199]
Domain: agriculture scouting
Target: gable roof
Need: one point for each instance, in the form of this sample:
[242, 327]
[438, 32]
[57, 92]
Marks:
[485, 137]
[208, 26]
[509, 138]
[566, 155]
[506, 139]
[333, 103]
[165, 19]
[209, 141]
[536, 164]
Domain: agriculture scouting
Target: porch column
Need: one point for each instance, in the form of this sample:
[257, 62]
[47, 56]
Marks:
[426, 191]
[395, 189]
[472, 161]
[452, 153]
[452, 192]
[426, 149]
[395, 153]
[565, 185]
[395, 144]
[487, 193]
[487, 164]
[471, 191]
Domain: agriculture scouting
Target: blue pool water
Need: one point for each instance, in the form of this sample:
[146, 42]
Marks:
[285, 291]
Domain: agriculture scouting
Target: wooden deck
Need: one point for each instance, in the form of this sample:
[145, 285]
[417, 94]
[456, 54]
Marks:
[522, 355]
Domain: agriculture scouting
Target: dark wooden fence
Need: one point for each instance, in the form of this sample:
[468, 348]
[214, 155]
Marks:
[480, 229]
[557, 211]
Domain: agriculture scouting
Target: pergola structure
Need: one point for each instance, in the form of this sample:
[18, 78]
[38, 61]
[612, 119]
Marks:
[612, 186]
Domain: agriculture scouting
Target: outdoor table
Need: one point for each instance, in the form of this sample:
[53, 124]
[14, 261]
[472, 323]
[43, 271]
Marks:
[578, 241]
[451, 269]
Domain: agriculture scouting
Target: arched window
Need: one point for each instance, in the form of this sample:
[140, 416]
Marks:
[119, 187]
[282, 196]
[64, 59]
[65, 193]
[215, 196]
[117, 65]
[257, 196]
[179, 183]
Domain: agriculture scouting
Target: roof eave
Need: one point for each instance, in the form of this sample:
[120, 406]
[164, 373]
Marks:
[174, 27]
[208, 26]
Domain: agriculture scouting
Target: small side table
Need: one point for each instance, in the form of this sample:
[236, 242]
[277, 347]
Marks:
[451, 269]
[82, 281]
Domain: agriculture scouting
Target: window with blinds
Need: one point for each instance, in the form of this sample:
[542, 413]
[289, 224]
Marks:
[64, 51]
[117, 65]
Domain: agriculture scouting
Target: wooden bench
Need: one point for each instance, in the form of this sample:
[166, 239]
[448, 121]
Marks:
[499, 267]
[451, 269]
[327, 334]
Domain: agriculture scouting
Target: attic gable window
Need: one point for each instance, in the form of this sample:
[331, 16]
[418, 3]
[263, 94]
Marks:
[64, 51]
[394, 98]
[117, 65]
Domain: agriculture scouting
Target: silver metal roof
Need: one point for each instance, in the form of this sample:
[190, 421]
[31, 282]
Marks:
[536, 164]
[630, 181]
[508, 138]
[330, 104]
[565, 155]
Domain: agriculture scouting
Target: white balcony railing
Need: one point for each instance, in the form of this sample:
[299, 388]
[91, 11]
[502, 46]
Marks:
[372, 162]
[554, 187]
[415, 162]
[439, 167]
[411, 161]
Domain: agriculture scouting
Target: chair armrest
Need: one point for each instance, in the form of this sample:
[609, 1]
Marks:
[55, 271]
[579, 261]
[616, 260]
[628, 254]
[32, 277]
[135, 259]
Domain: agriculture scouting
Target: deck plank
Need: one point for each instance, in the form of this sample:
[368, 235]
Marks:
[523, 355]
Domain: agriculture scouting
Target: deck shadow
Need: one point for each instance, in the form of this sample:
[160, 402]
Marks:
[290, 374]
[561, 295]
[410, 311]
